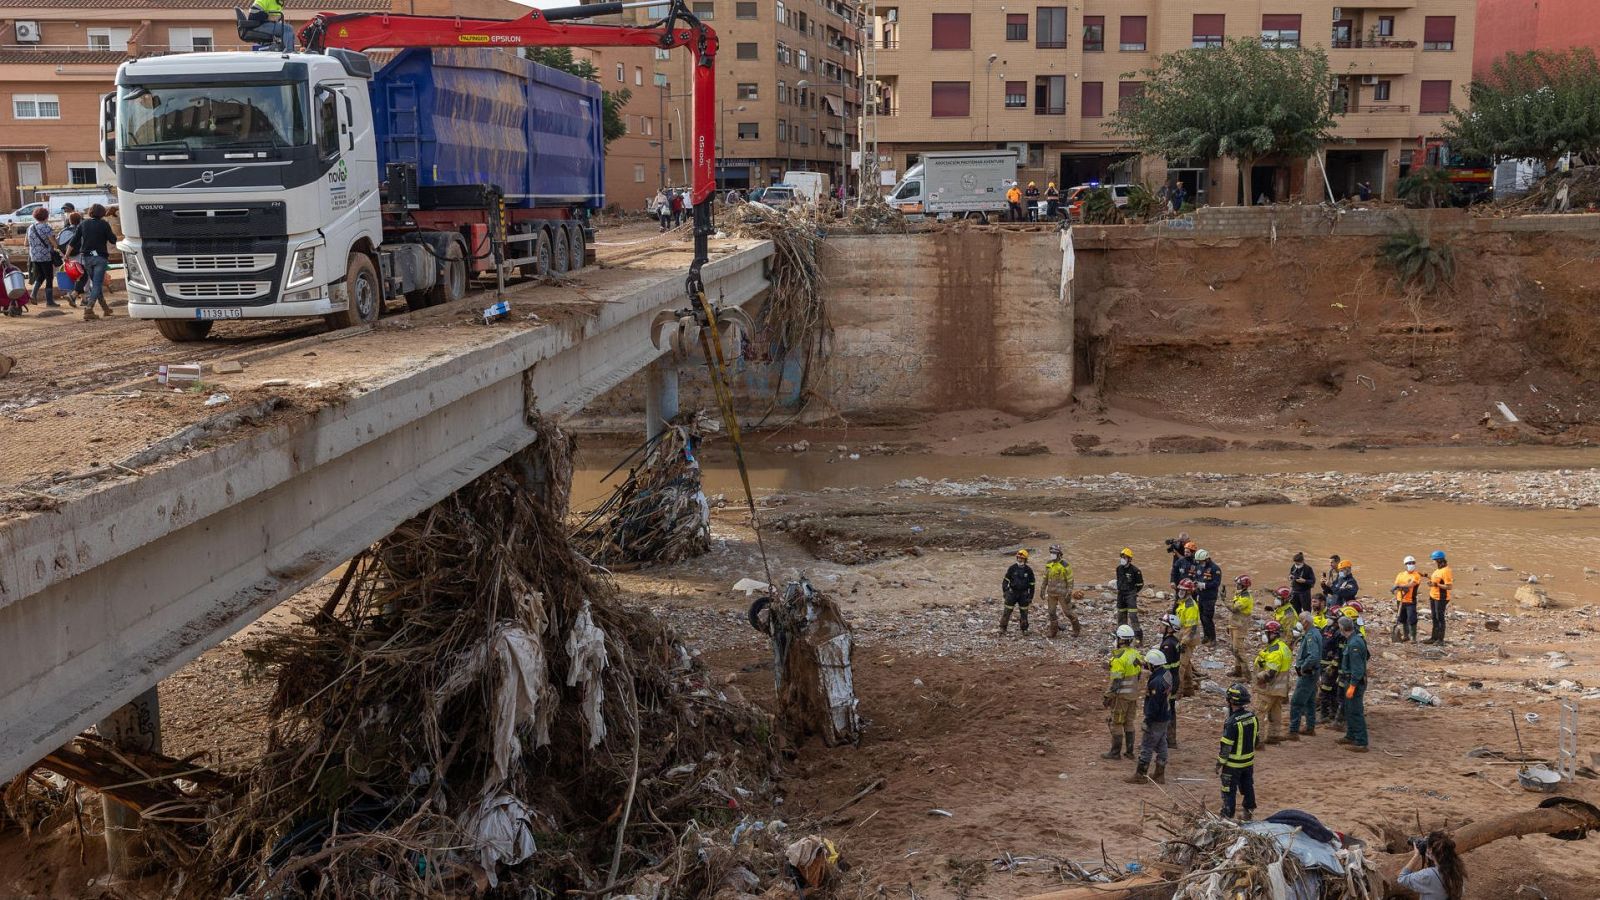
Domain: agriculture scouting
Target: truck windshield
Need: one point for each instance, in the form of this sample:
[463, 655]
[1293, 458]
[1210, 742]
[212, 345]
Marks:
[203, 117]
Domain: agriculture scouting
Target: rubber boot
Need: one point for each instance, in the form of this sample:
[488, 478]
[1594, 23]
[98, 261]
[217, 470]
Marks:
[88, 312]
[1076, 628]
[1005, 619]
[105, 306]
[1249, 815]
[1128, 736]
[1116, 748]
[1160, 777]
[1138, 776]
[1055, 626]
[1022, 618]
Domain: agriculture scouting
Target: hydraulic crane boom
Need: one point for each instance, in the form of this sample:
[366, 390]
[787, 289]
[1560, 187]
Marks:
[554, 28]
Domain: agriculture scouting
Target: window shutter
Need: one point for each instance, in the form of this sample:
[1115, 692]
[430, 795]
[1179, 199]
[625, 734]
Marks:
[952, 98]
[1437, 29]
[1016, 89]
[952, 31]
[1133, 29]
[1435, 97]
[1093, 99]
[1016, 18]
[1280, 23]
[1208, 23]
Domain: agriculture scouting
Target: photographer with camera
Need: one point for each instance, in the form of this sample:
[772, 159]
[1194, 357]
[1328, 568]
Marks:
[1434, 871]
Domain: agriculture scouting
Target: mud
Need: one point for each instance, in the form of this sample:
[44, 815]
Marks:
[858, 534]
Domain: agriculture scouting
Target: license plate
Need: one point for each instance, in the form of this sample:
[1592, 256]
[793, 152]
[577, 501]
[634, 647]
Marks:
[231, 312]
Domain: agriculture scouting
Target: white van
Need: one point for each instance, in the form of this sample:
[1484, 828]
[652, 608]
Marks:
[17, 222]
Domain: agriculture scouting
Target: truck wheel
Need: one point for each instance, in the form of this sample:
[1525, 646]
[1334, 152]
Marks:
[560, 253]
[183, 331]
[541, 254]
[452, 283]
[575, 249]
[366, 295]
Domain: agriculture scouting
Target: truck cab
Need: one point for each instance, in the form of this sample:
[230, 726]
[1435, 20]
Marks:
[248, 186]
[907, 195]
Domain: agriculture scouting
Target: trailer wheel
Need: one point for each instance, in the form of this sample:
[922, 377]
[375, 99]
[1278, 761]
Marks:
[560, 252]
[541, 254]
[366, 294]
[575, 251]
[182, 331]
[452, 284]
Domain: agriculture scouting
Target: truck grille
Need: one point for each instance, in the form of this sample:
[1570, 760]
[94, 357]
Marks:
[224, 290]
[217, 263]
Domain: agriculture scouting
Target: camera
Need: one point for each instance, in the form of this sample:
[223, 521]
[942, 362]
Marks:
[1175, 546]
[1421, 845]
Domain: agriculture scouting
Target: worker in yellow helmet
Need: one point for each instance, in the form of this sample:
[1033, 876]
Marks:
[1032, 196]
[1058, 592]
[1272, 674]
[1122, 694]
[1130, 581]
[1243, 609]
[1052, 201]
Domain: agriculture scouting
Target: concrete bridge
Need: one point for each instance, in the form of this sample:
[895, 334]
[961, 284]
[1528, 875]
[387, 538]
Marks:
[127, 581]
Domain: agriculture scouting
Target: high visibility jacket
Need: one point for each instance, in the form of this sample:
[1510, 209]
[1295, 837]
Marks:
[1405, 586]
[1239, 737]
[1188, 613]
[1243, 604]
[1285, 615]
[1319, 621]
[1057, 577]
[1274, 657]
[1014, 196]
[1440, 583]
[1125, 669]
[272, 7]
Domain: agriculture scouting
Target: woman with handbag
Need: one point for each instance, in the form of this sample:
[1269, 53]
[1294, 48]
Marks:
[94, 241]
[43, 257]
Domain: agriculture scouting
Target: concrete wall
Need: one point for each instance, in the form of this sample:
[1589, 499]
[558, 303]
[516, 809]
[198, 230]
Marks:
[1213, 223]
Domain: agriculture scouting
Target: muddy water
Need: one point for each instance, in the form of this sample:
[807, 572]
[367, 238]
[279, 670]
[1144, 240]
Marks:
[1555, 545]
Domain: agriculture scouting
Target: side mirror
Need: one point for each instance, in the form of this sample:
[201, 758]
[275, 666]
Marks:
[108, 130]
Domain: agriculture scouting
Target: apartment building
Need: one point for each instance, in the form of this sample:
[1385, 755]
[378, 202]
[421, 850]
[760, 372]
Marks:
[1506, 26]
[1045, 79]
[637, 162]
[788, 89]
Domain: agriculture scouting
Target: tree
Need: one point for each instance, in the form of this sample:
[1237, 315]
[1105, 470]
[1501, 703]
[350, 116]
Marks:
[1240, 100]
[611, 102]
[1540, 105]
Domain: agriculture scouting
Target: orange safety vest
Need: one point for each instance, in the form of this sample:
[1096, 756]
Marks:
[1406, 585]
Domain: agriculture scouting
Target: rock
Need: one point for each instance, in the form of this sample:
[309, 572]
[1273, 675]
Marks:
[1391, 656]
[227, 367]
[1185, 443]
[1085, 441]
[1032, 448]
[1492, 624]
[1531, 596]
[1334, 499]
[1567, 685]
[1560, 663]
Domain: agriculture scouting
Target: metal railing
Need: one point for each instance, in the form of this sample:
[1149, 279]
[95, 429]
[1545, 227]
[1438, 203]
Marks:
[1378, 109]
[1049, 110]
[887, 43]
[1373, 44]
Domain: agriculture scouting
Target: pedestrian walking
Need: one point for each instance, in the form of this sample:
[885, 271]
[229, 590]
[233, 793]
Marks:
[1130, 582]
[67, 241]
[677, 208]
[1406, 585]
[43, 257]
[1157, 719]
[1440, 584]
[1307, 666]
[1302, 578]
[1017, 590]
[94, 241]
[1058, 593]
[1272, 676]
[1242, 610]
[1353, 680]
[1121, 697]
[1209, 579]
[1236, 757]
[662, 209]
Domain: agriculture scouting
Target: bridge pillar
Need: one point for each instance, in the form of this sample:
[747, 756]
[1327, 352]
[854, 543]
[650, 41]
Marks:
[661, 395]
[135, 725]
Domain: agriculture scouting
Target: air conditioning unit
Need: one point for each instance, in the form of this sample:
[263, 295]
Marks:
[28, 32]
[1369, 80]
[1338, 13]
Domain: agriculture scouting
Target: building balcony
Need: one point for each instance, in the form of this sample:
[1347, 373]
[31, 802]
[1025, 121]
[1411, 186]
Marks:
[1384, 120]
[1369, 59]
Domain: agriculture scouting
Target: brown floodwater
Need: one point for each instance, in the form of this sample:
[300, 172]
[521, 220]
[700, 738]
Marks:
[1555, 545]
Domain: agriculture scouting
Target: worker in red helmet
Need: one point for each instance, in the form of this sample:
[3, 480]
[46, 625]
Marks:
[1242, 609]
[1272, 675]
[1189, 633]
[1283, 610]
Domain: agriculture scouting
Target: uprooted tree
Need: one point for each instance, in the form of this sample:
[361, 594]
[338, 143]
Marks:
[1541, 104]
[1242, 100]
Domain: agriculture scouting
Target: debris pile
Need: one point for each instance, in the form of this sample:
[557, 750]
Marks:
[794, 316]
[660, 514]
[812, 644]
[1290, 854]
[473, 711]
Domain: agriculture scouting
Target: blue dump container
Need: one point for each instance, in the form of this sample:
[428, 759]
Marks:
[480, 116]
[64, 282]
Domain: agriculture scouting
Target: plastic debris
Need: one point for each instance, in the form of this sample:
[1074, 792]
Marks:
[217, 399]
[496, 312]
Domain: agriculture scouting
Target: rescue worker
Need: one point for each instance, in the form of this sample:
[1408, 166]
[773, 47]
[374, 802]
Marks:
[1032, 197]
[1440, 584]
[1319, 612]
[1307, 662]
[1243, 608]
[1052, 200]
[1130, 581]
[1188, 617]
[1330, 706]
[1353, 684]
[1283, 610]
[267, 16]
[1236, 757]
[1301, 580]
[1357, 612]
[1157, 719]
[1182, 560]
[1208, 576]
[1122, 695]
[1014, 201]
[1272, 674]
[1172, 649]
[1406, 585]
[1345, 587]
[1017, 589]
[1329, 577]
[1058, 592]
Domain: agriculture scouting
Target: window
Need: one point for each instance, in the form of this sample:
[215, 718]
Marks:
[647, 125]
[782, 13]
[783, 92]
[83, 173]
[1207, 30]
[1133, 33]
[663, 55]
[1386, 26]
[1439, 33]
[1128, 92]
[744, 10]
[747, 51]
[1016, 95]
[705, 10]
[1435, 97]
[622, 72]
[638, 76]
[1035, 156]
[659, 79]
[1093, 99]
[1050, 95]
[638, 173]
[1016, 26]
[1280, 32]
[35, 106]
[802, 60]
[1052, 27]
[1094, 34]
[109, 38]
[327, 123]
[750, 131]
[749, 91]
[783, 131]
[190, 39]
[1380, 91]
[952, 99]
[952, 31]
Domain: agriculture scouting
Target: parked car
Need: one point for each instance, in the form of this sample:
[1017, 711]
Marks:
[1075, 196]
[781, 196]
[18, 221]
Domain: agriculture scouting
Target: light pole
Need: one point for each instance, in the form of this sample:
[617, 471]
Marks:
[662, 144]
[800, 85]
[723, 127]
[988, 90]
